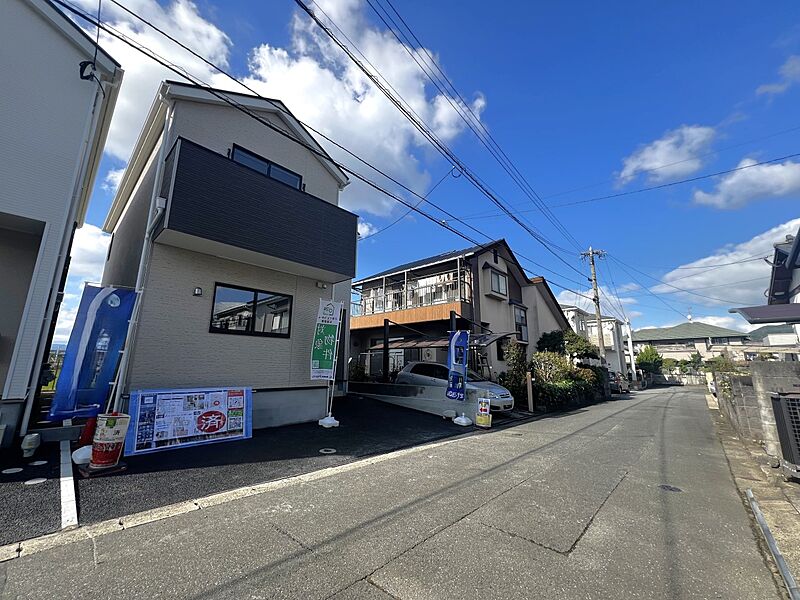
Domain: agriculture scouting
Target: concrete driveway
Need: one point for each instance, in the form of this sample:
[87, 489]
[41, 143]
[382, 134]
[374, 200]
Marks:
[628, 499]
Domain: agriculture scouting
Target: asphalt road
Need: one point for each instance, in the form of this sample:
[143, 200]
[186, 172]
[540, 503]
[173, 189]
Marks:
[567, 507]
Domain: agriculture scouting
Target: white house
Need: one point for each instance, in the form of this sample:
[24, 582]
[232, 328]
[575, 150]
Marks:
[585, 325]
[54, 120]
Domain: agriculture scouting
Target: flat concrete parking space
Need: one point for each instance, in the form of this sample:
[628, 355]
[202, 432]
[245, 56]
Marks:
[29, 510]
[631, 498]
[367, 427]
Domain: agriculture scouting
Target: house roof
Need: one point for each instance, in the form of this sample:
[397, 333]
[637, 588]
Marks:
[431, 260]
[770, 313]
[685, 331]
[762, 332]
[154, 123]
[550, 298]
[572, 307]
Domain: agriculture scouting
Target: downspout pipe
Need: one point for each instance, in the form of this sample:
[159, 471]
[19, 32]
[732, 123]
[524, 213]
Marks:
[157, 209]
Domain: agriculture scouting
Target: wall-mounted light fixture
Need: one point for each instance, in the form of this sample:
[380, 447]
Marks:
[322, 285]
[198, 291]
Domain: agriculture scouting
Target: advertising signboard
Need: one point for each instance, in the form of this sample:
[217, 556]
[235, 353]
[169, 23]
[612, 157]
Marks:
[323, 346]
[484, 416]
[457, 355]
[166, 419]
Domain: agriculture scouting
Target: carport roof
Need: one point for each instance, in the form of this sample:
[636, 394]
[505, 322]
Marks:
[770, 313]
[476, 341]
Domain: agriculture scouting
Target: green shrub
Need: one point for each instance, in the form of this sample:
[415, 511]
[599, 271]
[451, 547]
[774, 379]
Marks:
[649, 360]
[358, 372]
[563, 394]
[552, 341]
[514, 379]
[549, 367]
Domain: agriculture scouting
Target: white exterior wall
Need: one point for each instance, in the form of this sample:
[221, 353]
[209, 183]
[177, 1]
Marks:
[44, 117]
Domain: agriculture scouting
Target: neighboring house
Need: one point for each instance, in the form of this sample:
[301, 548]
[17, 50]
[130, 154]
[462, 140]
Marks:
[681, 341]
[585, 325]
[484, 285]
[774, 335]
[247, 238]
[783, 294]
[53, 127]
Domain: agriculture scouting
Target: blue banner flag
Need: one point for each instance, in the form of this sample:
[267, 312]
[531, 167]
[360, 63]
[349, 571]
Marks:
[92, 354]
[457, 356]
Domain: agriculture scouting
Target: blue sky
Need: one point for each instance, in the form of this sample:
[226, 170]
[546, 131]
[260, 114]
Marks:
[586, 98]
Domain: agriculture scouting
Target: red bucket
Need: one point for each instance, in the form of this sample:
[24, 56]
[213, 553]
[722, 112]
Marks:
[109, 438]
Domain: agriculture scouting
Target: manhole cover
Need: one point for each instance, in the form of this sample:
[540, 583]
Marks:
[670, 488]
[36, 481]
[327, 450]
[12, 471]
[37, 463]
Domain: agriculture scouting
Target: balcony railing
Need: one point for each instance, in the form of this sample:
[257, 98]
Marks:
[400, 296]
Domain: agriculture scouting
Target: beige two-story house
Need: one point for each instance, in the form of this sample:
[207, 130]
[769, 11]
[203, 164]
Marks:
[482, 288]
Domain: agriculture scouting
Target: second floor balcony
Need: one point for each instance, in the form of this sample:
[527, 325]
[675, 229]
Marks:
[217, 206]
[414, 300]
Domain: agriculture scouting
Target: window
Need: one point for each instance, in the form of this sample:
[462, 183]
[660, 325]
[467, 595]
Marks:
[246, 311]
[266, 167]
[431, 370]
[499, 283]
[521, 323]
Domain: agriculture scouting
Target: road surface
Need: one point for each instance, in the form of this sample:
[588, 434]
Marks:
[632, 498]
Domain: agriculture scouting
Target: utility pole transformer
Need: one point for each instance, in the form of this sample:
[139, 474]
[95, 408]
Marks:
[600, 341]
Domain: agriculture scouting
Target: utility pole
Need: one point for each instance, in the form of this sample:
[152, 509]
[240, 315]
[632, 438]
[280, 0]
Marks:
[600, 341]
[630, 349]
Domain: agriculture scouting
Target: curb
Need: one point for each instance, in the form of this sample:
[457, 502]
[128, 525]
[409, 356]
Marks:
[85, 532]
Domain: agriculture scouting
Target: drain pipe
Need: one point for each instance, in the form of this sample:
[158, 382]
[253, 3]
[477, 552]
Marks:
[156, 211]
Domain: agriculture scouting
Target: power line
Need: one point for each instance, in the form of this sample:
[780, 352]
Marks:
[458, 103]
[651, 188]
[430, 136]
[230, 101]
[657, 297]
[409, 211]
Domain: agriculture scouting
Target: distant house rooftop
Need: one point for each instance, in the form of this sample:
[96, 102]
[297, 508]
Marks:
[761, 333]
[686, 331]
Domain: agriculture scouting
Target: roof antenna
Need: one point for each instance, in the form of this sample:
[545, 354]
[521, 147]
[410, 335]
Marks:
[689, 316]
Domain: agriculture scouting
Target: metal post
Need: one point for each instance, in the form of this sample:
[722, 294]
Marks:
[386, 350]
[630, 350]
[458, 279]
[453, 322]
[405, 289]
[600, 341]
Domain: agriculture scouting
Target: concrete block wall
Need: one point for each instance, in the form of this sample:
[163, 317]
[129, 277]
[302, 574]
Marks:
[739, 403]
[770, 377]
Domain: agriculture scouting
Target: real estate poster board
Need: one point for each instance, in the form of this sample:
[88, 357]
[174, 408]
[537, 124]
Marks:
[167, 419]
[323, 346]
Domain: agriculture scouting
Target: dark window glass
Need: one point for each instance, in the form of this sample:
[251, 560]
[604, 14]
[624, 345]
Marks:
[250, 312]
[266, 167]
[422, 369]
[521, 323]
[499, 283]
[284, 175]
[243, 157]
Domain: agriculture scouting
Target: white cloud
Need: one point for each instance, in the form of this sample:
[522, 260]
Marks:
[607, 307]
[736, 189]
[326, 90]
[112, 179]
[789, 75]
[180, 19]
[739, 284]
[318, 83]
[676, 154]
[88, 257]
[365, 228]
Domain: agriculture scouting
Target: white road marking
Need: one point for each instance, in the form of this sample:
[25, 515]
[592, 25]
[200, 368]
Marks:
[69, 506]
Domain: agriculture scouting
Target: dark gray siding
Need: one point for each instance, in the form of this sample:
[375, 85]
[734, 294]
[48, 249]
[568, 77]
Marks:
[218, 199]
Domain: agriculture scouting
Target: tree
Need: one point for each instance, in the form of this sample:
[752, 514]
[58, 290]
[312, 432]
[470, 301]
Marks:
[669, 363]
[577, 347]
[552, 341]
[695, 360]
[649, 360]
[515, 376]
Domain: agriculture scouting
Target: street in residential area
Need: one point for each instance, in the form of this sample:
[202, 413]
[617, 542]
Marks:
[629, 498]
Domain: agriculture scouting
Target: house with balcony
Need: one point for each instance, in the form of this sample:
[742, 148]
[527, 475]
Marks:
[484, 288]
[585, 325]
[59, 94]
[231, 232]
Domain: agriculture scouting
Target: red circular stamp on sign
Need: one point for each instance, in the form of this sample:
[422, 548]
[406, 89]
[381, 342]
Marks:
[211, 421]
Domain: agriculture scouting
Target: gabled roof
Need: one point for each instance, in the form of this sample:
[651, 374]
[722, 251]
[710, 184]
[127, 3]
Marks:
[432, 260]
[685, 331]
[550, 298]
[571, 307]
[153, 126]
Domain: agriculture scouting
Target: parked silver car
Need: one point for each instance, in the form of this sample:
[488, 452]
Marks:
[435, 374]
